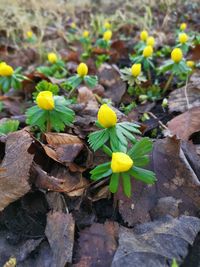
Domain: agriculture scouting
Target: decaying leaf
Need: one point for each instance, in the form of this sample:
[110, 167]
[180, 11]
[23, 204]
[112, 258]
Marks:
[60, 234]
[109, 77]
[184, 125]
[176, 177]
[177, 98]
[62, 147]
[97, 244]
[17, 162]
[86, 97]
[157, 243]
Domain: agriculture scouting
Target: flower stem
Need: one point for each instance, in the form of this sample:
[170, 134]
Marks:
[107, 150]
[168, 82]
[48, 122]
[149, 74]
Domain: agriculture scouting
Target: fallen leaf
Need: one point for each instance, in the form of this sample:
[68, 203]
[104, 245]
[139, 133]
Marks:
[86, 97]
[109, 77]
[156, 243]
[176, 177]
[177, 98]
[184, 125]
[17, 162]
[97, 245]
[60, 234]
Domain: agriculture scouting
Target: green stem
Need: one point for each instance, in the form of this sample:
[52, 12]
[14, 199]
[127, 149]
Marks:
[48, 122]
[71, 92]
[149, 74]
[107, 150]
[168, 82]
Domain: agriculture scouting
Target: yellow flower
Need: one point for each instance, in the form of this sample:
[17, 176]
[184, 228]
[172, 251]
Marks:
[107, 35]
[86, 34]
[121, 162]
[190, 63]
[148, 51]
[136, 69]
[183, 26]
[82, 69]
[144, 35]
[29, 34]
[183, 38]
[107, 25]
[151, 41]
[52, 58]
[73, 25]
[45, 100]
[106, 116]
[6, 70]
[176, 55]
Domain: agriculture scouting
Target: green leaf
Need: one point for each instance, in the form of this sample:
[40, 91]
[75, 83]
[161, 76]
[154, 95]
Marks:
[9, 126]
[141, 161]
[126, 184]
[114, 182]
[141, 148]
[91, 81]
[98, 139]
[132, 127]
[6, 84]
[46, 86]
[114, 141]
[36, 117]
[143, 175]
[101, 171]
[74, 81]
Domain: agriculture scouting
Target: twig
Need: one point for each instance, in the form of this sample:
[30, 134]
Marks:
[186, 95]
[160, 122]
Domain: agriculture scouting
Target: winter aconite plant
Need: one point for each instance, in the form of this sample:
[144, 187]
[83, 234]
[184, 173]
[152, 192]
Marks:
[82, 76]
[116, 134]
[10, 78]
[51, 112]
[176, 65]
[56, 67]
[133, 76]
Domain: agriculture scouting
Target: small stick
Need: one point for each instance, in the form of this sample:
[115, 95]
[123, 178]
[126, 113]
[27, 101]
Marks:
[160, 122]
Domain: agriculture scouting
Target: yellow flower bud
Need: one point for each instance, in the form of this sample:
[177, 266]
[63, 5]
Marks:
[176, 55]
[183, 38]
[136, 69]
[148, 51]
[106, 116]
[86, 34]
[190, 64]
[29, 34]
[6, 70]
[52, 58]
[45, 100]
[183, 26]
[121, 162]
[144, 35]
[82, 69]
[107, 25]
[151, 41]
[107, 35]
[73, 25]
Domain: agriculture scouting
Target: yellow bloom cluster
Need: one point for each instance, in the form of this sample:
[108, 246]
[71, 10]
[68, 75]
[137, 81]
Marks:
[107, 35]
[107, 25]
[183, 26]
[151, 41]
[82, 69]
[136, 69]
[183, 38]
[52, 58]
[45, 100]
[106, 116]
[86, 34]
[144, 35]
[190, 64]
[120, 162]
[6, 70]
[29, 34]
[176, 55]
[148, 51]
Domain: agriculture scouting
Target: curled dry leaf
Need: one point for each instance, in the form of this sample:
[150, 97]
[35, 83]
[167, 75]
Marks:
[153, 244]
[60, 234]
[184, 125]
[17, 162]
[97, 244]
[62, 147]
[177, 176]
[86, 97]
